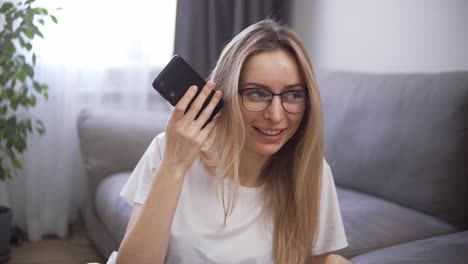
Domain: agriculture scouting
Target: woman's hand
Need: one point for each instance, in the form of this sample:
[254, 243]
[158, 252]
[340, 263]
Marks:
[185, 135]
[147, 237]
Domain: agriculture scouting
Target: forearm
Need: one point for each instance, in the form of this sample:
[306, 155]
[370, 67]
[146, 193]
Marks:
[147, 239]
[148, 233]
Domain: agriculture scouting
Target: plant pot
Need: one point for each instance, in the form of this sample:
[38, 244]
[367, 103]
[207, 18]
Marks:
[5, 233]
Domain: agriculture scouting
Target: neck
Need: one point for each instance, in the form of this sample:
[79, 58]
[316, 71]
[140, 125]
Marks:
[250, 169]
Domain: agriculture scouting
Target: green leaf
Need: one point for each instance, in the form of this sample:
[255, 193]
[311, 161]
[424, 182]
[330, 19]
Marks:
[13, 84]
[21, 144]
[17, 164]
[22, 59]
[37, 31]
[14, 104]
[28, 33]
[29, 70]
[41, 10]
[29, 125]
[4, 172]
[37, 86]
[10, 12]
[11, 153]
[6, 6]
[11, 121]
[15, 76]
[21, 41]
[22, 23]
[3, 110]
[32, 100]
[53, 19]
[22, 76]
[9, 49]
[17, 15]
[40, 128]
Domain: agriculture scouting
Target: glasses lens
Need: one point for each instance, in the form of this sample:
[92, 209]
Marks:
[294, 101]
[256, 99]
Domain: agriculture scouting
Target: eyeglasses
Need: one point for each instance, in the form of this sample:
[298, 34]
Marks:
[257, 100]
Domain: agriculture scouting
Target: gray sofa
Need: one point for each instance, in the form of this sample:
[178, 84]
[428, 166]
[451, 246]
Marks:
[397, 145]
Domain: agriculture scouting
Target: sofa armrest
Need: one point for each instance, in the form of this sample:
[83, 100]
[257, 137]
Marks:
[114, 141]
[450, 248]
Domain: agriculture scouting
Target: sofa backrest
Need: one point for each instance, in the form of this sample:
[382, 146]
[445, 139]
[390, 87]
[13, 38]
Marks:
[402, 137]
[114, 141]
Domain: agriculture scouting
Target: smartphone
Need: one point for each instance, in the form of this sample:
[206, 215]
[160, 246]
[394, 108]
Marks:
[175, 79]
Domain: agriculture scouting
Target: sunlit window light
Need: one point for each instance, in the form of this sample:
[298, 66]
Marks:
[108, 33]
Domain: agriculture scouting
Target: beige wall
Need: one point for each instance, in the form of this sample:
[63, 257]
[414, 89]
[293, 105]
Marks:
[384, 35]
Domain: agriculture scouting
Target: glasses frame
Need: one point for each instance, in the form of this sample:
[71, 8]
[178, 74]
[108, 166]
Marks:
[241, 93]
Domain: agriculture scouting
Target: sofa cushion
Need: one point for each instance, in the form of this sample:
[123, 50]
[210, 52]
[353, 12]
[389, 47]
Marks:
[444, 249]
[372, 223]
[403, 137]
[113, 211]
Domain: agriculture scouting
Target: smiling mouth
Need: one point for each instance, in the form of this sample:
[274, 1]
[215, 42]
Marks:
[269, 132]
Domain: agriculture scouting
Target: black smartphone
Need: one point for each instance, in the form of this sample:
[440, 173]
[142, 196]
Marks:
[174, 80]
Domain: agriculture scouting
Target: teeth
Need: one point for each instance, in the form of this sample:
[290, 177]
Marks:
[270, 132]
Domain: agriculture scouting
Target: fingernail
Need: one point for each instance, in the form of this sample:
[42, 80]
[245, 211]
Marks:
[193, 88]
[218, 94]
[213, 85]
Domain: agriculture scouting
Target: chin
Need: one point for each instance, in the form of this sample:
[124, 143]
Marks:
[267, 150]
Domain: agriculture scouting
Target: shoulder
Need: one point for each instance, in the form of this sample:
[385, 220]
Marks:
[328, 187]
[160, 140]
[326, 170]
[331, 233]
[155, 149]
[138, 184]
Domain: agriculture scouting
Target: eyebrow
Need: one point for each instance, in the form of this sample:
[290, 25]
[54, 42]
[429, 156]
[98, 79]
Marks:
[287, 87]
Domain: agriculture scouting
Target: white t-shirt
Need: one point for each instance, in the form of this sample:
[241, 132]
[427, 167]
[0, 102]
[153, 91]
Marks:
[196, 236]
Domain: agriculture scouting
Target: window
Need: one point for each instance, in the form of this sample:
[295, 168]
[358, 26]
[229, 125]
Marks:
[108, 33]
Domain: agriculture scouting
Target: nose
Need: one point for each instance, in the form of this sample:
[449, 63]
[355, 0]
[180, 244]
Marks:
[274, 111]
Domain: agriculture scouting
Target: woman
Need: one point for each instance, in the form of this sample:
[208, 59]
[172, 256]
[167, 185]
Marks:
[250, 187]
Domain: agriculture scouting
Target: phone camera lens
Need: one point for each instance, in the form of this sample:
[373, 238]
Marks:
[161, 84]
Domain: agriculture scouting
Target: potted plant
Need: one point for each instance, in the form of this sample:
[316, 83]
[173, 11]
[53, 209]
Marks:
[19, 90]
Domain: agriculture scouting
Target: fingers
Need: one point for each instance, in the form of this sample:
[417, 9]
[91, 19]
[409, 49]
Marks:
[184, 102]
[184, 135]
[207, 129]
[193, 115]
[208, 111]
[200, 100]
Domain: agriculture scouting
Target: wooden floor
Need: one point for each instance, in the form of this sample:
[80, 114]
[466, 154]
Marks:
[75, 249]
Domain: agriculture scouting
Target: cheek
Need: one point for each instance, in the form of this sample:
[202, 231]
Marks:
[296, 121]
[248, 116]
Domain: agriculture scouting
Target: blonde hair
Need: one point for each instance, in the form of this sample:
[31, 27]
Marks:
[292, 187]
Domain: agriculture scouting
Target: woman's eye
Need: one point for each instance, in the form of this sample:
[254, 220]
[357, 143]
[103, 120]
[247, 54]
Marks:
[257, 94]
[295, 96]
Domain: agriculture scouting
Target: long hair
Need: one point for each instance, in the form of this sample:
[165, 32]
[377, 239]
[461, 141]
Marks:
[292, 185]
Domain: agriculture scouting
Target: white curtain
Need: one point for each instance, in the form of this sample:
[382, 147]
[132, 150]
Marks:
[101, 54]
